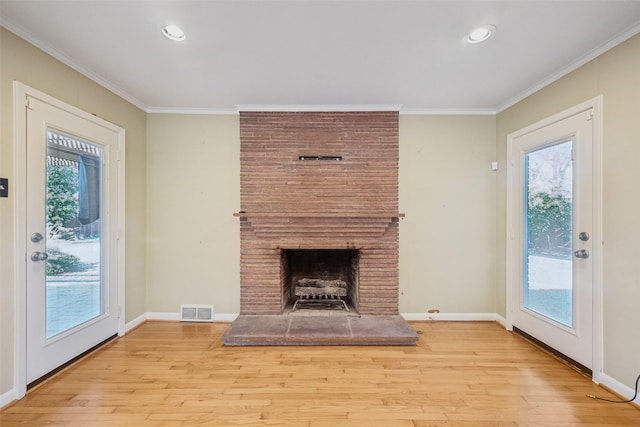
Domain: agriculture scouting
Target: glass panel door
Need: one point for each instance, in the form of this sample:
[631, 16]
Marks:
[73, 216]
[548, 279]
[73, 239]
[552, 241]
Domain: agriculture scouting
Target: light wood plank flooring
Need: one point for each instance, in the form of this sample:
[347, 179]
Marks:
[179, 374]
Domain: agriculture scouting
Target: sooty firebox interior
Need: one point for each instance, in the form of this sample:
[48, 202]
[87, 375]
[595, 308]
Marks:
[324, 279]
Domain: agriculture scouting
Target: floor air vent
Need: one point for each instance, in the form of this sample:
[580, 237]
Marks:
[196, 313]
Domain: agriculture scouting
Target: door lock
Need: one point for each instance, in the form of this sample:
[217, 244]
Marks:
[36, 237]
[584, 236]
[39, 256]
[581, 253]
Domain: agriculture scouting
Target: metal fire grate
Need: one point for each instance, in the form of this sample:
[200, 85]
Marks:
[329, 293]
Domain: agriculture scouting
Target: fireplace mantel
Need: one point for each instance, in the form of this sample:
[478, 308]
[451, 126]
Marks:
[320, 230]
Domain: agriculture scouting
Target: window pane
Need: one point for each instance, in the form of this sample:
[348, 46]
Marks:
[548, 284]
[74, 191]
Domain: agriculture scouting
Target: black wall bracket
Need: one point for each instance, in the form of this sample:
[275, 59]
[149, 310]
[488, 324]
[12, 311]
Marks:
[4, 187]
[334, 158]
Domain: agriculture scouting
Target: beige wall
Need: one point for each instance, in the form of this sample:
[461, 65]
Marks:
[616, 76]
[193, 191]
[447, 191]
[21, 61]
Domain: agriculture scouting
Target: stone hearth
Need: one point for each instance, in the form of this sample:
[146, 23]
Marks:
[319, 330]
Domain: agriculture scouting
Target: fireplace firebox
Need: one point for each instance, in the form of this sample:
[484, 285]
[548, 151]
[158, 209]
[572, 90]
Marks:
[320, 279]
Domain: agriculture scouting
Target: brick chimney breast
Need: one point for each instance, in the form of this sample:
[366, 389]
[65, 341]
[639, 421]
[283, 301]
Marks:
[318, 181]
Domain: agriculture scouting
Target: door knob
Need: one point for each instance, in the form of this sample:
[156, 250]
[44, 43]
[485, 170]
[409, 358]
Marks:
[39, 256]
[582, 253]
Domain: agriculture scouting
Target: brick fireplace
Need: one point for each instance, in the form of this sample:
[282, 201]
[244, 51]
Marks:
[313, 182]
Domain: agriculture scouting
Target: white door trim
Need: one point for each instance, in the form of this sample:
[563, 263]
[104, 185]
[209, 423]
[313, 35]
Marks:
[20, 93]
[511, 263]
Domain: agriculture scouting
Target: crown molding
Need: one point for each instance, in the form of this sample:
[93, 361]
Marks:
[318, 108]
[29, 38]
[593, 54]
[448, 112]
[194, 111]
[323, 108]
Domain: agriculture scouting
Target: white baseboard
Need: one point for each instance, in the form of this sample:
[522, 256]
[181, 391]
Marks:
[501, 321]
[456, 317]
[135, 322]
[217, 317]
[618, 387]
[8, 397]
[163, 316]
[225, 317]
[414, 316]
[230, 317]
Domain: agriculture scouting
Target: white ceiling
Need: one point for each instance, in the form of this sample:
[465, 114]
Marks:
[334, 53]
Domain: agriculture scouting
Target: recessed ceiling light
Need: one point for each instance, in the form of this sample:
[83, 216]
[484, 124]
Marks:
[173, 32]
[481, 34]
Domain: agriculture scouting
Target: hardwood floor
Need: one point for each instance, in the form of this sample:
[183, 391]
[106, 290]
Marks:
[179, 374]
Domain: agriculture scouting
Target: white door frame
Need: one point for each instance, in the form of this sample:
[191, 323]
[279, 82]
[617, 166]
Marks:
[512, 263]
[20, 93]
